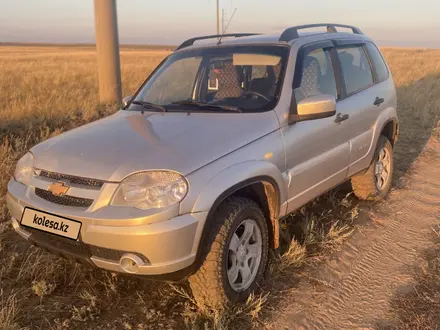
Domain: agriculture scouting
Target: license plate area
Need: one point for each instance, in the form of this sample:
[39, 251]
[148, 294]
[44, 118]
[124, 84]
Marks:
[50, 223]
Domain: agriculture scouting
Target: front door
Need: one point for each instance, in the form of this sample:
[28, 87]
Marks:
[317, 151]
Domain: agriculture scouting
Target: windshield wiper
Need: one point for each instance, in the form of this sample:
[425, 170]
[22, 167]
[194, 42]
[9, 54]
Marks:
[149, 106]
[208, 106]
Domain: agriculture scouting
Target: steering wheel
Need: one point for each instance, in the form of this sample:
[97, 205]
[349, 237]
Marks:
[256, 94]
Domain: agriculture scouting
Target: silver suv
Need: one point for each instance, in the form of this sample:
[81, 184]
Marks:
[223, 139]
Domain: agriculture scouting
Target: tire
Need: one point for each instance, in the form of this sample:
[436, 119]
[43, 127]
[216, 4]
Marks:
[366, 186]
[210, 284]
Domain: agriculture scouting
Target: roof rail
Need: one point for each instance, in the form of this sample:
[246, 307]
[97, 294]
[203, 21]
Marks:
[292, 32]
[191, 41]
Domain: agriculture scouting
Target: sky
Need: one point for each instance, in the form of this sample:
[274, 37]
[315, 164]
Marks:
[389, 22]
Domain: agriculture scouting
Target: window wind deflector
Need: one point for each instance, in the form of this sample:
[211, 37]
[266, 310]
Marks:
[207, 106]
[149, 106]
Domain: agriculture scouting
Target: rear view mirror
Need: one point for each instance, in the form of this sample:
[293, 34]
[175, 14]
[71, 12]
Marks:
[314, 107]
[126, 100]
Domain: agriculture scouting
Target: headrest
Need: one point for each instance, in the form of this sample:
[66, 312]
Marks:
[309, 61]
[346, 57]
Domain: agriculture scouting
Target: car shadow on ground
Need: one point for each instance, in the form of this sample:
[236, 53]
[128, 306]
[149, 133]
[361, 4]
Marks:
[419, 113]
[416, 306]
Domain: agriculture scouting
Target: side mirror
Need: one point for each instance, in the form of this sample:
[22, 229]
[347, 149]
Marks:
[126, 100]
[314, 107]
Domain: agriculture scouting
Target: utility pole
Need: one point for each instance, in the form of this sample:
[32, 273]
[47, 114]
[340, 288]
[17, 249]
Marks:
[107, 46]
[218, 17]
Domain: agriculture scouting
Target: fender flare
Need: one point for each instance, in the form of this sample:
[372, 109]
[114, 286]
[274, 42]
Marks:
[395, 133]
[229, 181]
[236, 177]
[377, 133]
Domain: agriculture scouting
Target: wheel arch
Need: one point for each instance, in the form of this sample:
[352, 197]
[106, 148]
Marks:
[390, 129]
[265, 190]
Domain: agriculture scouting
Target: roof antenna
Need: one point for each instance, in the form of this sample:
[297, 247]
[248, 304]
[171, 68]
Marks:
[226, 28]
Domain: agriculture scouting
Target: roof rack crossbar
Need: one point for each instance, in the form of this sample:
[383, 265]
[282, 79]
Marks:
[292, 32]
[191, 41]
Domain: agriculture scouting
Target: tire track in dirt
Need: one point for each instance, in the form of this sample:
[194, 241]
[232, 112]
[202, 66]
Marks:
[363, 277]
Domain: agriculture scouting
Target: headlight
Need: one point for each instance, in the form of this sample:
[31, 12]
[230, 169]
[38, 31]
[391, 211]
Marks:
[24, 169]
[149, 190]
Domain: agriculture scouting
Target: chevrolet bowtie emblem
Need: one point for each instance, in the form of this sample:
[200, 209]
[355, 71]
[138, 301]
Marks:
[58, 188]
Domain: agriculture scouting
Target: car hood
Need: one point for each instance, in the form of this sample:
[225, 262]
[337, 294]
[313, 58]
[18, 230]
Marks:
[114, 147]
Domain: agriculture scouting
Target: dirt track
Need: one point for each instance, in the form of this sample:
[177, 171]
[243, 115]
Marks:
[352, 289]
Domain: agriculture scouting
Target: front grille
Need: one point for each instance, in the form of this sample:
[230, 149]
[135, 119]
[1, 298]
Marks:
[72, 179]
[65, 245]
[63, 200]
[76, 248]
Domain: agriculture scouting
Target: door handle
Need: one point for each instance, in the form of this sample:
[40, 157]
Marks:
[341, 117]
[378, 101]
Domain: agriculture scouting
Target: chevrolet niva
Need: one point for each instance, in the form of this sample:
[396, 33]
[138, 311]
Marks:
[226, 136]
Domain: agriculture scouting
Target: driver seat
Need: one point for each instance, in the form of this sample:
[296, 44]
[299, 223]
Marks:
[310, 79]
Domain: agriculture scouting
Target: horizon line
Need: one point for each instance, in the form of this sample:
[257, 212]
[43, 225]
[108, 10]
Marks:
[142, 45]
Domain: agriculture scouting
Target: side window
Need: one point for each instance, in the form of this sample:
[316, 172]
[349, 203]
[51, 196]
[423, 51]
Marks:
[318, 76]
[355, 69]
[378, 62]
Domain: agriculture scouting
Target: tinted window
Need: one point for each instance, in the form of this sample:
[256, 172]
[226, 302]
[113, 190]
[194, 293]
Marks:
[355, 69]
[378, 62]
[317, 76]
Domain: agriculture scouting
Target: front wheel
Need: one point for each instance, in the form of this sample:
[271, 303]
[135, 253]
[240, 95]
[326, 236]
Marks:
[375, 183]
[236, 257]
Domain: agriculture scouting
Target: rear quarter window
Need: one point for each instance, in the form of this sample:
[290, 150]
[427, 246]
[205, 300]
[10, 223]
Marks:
[378, 62]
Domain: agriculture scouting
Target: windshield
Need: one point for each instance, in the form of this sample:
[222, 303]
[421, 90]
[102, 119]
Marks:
[241, 78]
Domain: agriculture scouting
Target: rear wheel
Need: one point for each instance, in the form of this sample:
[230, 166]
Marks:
[375, 183]
[236, 257]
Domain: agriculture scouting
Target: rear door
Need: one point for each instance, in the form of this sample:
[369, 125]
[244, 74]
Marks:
[362, 100]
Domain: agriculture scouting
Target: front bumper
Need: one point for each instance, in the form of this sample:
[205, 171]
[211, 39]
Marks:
[161, 242]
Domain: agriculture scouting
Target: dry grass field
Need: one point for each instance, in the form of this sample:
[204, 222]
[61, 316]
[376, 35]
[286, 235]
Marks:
[47, 90]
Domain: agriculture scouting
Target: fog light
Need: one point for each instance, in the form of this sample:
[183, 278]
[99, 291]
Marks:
[130, 263]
